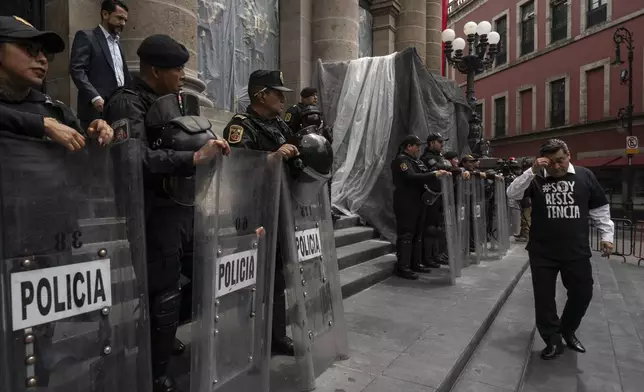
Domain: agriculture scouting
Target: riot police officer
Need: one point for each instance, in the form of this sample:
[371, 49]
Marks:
[411, 194]
[169, 225]
[306, 113]
[261, 128]
[434, 241]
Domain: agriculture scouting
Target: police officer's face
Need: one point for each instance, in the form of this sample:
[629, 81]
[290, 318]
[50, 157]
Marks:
[24, 62]
[469, 165]
[436, 145]
[115, 21]
[273, 100]
[170, 79]
[454, 162]
[312, 100]
[413, 150]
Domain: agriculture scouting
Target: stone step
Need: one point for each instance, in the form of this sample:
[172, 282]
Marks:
[346, 222]
[500, 361]
[354, 254]
[353, 235]
[362, 276]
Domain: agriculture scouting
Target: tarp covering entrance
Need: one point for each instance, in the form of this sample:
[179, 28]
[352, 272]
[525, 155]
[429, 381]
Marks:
[375, 102]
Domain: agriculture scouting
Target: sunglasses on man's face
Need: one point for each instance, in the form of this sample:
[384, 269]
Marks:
[33, 49]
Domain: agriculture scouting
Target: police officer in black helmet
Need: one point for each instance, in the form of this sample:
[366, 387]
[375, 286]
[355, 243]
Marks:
[135, 112]
[261, 128]
[411, 178]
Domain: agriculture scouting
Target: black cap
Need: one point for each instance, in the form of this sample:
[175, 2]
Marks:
[15, 27]
[308, 92]
[270, 79]
[162, 51]
[468, 158]
[450, 155]
[411, 139]
[433, 136]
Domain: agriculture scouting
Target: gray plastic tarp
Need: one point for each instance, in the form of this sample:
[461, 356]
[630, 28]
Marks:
[374, 103]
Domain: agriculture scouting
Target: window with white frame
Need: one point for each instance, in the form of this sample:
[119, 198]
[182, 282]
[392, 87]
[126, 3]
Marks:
[527, 28]
[596, 13]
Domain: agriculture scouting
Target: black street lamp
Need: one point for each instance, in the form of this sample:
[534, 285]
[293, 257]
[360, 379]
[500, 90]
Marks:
[624, 36]
[481, 51]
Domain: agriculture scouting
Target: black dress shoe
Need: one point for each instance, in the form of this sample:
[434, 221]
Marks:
[405, 274]
[165, 383]
[178, 348]
[421, 269]
[573, 343]
[443, 259]
[552, 350]
[283, 346]
[431, 264]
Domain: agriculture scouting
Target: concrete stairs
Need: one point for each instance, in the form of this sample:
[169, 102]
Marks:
[363, 259]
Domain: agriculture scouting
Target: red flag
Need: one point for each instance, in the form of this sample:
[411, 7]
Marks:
[443, 27]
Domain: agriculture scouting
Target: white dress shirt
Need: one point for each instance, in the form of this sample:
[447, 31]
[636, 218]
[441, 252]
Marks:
[599, 216]
[115, 52]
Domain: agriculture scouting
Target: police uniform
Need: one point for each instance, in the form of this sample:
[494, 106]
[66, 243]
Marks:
[410, 176]
[434, 236]
[169, 225]
[252, 131]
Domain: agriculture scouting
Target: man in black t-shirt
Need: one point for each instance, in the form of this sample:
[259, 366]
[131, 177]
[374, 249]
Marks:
[563, 198]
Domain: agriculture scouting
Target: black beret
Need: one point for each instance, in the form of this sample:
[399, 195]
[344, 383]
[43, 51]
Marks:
[163, 52]
[308, 92]
[450, 155]
[436, 136]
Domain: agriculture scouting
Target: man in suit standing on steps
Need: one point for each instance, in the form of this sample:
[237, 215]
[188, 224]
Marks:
[97, 64]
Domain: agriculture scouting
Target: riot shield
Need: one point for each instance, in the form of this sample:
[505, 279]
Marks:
[450, 230]
[478, 221]
[503, 216]
[314, 293]
[463, 224]
[235, 245]
[73, 286]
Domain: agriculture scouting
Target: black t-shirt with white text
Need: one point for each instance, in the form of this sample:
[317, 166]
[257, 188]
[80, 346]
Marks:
[560, 211]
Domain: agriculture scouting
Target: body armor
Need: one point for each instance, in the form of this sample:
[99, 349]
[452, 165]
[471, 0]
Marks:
[312, 168]
[169, 128]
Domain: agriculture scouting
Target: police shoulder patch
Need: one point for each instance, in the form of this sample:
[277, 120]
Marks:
[403, 166]
[121, 129]
[235, 133]
[288, 116]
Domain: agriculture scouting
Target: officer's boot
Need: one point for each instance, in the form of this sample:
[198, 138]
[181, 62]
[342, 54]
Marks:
[164, 321]
[429, 245]
[405, 253]
[417, 256]
[442, 257]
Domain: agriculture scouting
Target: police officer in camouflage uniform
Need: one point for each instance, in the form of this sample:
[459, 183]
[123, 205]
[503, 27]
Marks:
[434, 240]
[411, 178]
[261, 128]
[169, 225]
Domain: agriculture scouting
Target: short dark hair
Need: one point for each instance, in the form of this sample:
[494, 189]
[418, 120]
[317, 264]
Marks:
[110, 6]
[553, 146]
[308, 92]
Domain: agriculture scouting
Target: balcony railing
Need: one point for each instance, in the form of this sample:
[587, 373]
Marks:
[455, 5]
[597, 16]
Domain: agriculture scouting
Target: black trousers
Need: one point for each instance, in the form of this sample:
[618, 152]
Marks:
[279, 298]
[577, 278]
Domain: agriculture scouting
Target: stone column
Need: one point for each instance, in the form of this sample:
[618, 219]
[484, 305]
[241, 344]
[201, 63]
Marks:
[434, 43]
[335, 30]
[384, 14]
[176, 18]
[411, 28]
[295, 45]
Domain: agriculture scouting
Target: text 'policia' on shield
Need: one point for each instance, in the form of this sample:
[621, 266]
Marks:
[236, 271]
[51, 294]
[308, 244]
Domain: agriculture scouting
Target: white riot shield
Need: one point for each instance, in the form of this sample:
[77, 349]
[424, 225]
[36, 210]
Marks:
[235, 244]
[450, 230]
[503, 216]
[478, 221]
[314, 292]
[463, 219]
[73, 286]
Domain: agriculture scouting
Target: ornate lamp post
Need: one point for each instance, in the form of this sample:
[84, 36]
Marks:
[481, 46]
[624, 36]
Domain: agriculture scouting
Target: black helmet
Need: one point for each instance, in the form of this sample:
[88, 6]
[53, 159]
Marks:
[311, 115]
[312, 168]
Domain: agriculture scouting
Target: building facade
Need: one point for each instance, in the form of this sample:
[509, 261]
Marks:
[553, 75]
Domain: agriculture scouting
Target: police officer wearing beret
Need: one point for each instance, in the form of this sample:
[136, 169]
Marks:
[306, 113]
[169, 225]
[25, 53]
[261, 128]
[411, 178]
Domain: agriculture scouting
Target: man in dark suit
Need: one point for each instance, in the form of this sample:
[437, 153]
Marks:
[97, 63]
